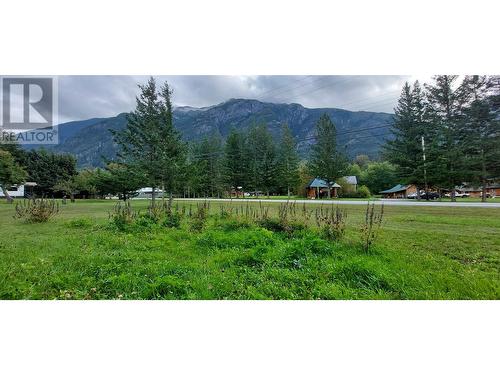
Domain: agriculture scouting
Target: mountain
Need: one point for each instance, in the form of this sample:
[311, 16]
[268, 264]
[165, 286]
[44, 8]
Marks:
[90, 140]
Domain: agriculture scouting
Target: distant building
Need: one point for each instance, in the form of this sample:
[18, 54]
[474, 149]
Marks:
[147, 192]
[492, 190]
[19, 191]
[319, 188]
[399, 191]
[352, 182]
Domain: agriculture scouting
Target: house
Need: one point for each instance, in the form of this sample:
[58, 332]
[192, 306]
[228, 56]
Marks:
[399, 191]
[319, 188]
[147, 192]
[492, 190]
[19, 191]
[352, 182]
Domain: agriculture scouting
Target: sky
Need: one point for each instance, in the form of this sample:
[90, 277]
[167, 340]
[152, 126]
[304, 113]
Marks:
[84, 97]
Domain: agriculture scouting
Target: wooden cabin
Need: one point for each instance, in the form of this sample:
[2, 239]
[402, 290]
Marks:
[319, 188]
[399, 191]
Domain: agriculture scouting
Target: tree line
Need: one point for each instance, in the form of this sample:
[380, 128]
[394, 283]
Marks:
[455, 124]
[152, 153]
[447, 133]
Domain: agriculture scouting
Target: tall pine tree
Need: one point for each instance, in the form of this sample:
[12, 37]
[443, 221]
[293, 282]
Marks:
[446, 99]
[481, 130]
[327, 161]
[261, 160]
[149, 141]
[409, 130]
[288, 160]
[235, 161]
[208, 160]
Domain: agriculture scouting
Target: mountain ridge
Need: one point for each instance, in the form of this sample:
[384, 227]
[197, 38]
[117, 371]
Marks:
[90, 140]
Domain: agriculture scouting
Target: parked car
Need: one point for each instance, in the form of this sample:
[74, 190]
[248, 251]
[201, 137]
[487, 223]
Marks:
[458, 195]
[423, 195]
[429, 195]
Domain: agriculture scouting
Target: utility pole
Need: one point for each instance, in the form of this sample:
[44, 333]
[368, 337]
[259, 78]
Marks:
[425, 169]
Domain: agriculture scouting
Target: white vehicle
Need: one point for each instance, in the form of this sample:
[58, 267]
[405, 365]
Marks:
[458, 195]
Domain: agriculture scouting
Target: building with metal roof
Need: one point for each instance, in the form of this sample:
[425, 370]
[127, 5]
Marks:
[319, 188]
[399, 191]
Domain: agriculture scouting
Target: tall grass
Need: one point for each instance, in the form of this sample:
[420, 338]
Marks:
[371, 226]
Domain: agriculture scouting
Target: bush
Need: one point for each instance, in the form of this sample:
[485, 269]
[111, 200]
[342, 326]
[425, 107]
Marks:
[122, 215]
[362, 192]
[199, 218]
[277, 225]
[36, 210]
[332, 222]
[145, 220]
[172, 220]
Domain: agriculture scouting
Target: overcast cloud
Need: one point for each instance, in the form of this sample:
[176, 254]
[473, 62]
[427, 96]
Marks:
[83, 97]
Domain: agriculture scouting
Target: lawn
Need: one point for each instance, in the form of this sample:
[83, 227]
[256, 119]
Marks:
[421, 253]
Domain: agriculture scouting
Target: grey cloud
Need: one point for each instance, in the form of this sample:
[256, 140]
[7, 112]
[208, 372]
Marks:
[82, 97]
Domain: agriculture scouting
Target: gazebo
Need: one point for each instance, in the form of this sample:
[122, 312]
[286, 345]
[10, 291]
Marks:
[319, 188]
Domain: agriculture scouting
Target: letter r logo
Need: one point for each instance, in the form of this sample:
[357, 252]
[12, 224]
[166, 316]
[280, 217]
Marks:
[27, 103]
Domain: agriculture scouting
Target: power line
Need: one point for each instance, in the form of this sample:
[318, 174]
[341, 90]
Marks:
[303, 139]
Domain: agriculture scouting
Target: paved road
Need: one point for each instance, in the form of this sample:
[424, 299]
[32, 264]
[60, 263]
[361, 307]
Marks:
[387, 202]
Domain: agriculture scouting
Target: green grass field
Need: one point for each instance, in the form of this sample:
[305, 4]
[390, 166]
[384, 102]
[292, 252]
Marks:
[422, 253]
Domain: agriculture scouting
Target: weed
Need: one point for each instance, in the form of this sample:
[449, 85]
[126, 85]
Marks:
[122, 215]
[36, 210]
[331, 222]
[370, 229]
[199, 218]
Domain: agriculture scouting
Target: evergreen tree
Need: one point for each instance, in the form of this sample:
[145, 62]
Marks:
[288, 160]
[235, 161]
[481, 130]
[260, 152]
[150, 143]
[327, 161]
[409, 129]
[447, 148]
[208, 160]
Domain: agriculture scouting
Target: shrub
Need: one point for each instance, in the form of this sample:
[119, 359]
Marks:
[332, 222]
[278, 225]
[172, 220]
[164, 215]
[362, 192]
[287, 221]
[371, 227]
[225, 212]
[145, 220]
[122, 215]
[199, 218]
[36, 210]
[230, 225]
